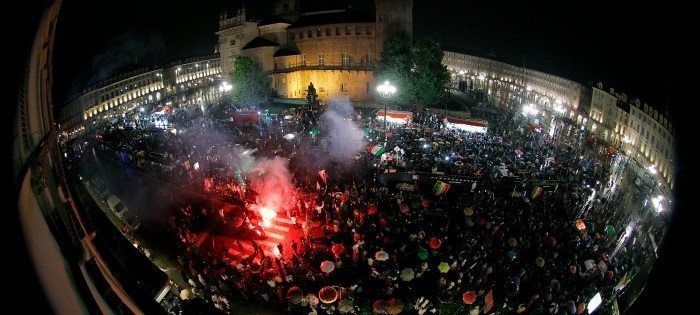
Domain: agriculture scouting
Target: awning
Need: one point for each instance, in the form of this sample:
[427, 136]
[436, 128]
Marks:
[395, 116]
[471, 125]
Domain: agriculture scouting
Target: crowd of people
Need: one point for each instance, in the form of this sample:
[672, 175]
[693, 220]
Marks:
[485, 244]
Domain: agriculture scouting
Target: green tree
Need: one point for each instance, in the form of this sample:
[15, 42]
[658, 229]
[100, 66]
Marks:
[430, 76]
[417, 71]
[250, 85]
[395, 66]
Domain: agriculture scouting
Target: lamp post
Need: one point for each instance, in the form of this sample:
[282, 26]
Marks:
[386, 90]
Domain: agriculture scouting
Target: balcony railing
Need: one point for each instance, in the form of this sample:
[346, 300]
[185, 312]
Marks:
[357, 66]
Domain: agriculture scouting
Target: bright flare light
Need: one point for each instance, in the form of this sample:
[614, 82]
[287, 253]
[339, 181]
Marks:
[267, 215]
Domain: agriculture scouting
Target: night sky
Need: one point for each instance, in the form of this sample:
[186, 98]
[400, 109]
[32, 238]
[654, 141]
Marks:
[625, 47]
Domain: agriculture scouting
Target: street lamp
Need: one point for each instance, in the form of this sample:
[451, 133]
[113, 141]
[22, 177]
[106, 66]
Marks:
[225, 87]
[386, 90]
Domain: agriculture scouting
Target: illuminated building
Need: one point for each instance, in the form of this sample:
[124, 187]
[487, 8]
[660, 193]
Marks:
[121, 95]
[336, 49]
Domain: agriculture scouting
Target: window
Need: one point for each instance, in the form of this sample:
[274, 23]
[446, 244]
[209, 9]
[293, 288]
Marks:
[358, 31]
[328, 31]
[233, 42]
[303, 59]
[368, 30]
[343, 87]
[291, 35]
[346, 59]
[310, 33]
[347, 30]
[337, 30]
[320, 60]
[301, 35]
[318, 32]
[286, 6]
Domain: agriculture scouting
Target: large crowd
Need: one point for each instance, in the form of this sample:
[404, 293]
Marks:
[488, 243]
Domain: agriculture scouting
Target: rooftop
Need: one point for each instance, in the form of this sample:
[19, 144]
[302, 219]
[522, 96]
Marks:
[260, 42]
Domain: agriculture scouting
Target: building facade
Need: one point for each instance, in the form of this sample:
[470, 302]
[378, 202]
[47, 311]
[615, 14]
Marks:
[503, 83]
[602, 113]
[336, 49]
[127, 93]
[650, 140]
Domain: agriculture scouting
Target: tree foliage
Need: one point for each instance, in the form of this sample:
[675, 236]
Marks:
[416, 71]
[250, 85]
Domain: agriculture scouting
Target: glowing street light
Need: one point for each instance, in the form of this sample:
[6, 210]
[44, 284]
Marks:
[652, 169]
[386, 90]
[225, 87]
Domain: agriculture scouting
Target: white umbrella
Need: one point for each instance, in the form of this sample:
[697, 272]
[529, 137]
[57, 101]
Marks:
[345, 306]
[185, 294]
[288, 117]
[327, 266]
[407, 274]
[381, 255]
[289, 136]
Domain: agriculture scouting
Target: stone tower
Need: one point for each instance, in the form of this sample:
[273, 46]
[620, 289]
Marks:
[287, 9]
[393, 16]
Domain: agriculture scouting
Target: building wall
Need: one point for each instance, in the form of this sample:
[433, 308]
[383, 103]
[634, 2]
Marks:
[275, 32]
[546, 89]
[357, 40]
[338, 58]
[234, 33]
[393, 16]
[650, 140]
[123, 94]
[354, 84]
[602, 115]
[263, 56]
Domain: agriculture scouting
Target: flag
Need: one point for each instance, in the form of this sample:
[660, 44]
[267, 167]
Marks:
[324, 175]
[536, 192]
[440, 188]
[488, 301]
[377, 150]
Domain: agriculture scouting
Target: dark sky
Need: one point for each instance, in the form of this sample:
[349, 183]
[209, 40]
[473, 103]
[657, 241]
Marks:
[626, 47]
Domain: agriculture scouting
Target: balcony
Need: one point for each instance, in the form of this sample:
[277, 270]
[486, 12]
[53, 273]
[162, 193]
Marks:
[357, 66]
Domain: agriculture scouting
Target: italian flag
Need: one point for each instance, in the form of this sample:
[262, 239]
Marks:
[377, 150]
[440, 188]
